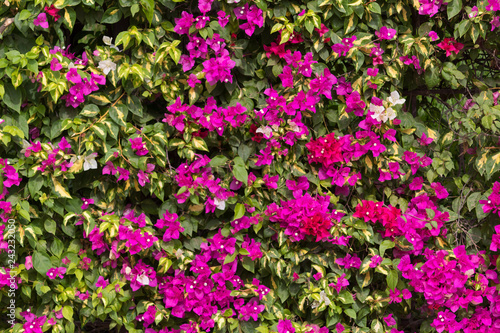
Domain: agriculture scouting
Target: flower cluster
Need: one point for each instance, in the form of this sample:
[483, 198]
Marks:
[450, 45]
[207, 293]
[253, 16]
[305, 215]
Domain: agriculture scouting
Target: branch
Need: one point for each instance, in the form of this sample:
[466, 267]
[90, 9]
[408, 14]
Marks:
[6, 24]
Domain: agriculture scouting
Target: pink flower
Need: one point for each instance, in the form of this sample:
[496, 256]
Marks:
[389, 320]
[223, 18]
[376, 260]
[285, 326]
[495, 240]
[41, 21]
[441, 192]
[193, 80]
[424, 140]
[65, 260]
[52, 11]
[138, 146]
[101, 282]
[394, 296]
[495, 23]
[86, 203]
[73, 76]
[28, 263]
[450, 45]
[433, 35]
[372, 71]
[317, 276]
[295, 276]
[339, 328]
[416, 184]
[271, 182]
[385, 33]
[56, 272]
[55, 65]
[123, 174]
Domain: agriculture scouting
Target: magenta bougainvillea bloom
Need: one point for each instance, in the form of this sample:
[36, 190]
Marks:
[386, 33]
[87, 202]
[138, 146]
[495, 240]
[56, 272]
[285, 326]
[101, 282]
[375, 261]
[344, 47]
[41, 20]
[429, 7]
[433, 35]
[52, 11]
[450, 45]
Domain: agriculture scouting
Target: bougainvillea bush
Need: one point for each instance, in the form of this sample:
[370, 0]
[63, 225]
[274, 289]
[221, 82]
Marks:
[249, 166]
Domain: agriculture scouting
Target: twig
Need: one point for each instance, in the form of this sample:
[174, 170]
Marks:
[6, 24]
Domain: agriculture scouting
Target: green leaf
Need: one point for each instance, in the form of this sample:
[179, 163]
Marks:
[453, 8]
[24, 14]
[57, 247]
[50, 225]
[148, 7]
[12, 97]
[387, 244]
[230, 258]
[67, 312]
[239, 170]
[175, 54]
[374, 8]
[111, 16]
[69, 18]
[35, 184]
[277, 27]
[199, 143]
[41, 263]
[351, 313]
[119, 114]
[90, 110]
[248, 264]
[392, 279]
[59, 189]
[473, 200]
[239, 211]
[218, 161]
[377, 326]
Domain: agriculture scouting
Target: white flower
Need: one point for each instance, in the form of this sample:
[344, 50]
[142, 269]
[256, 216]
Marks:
[107, 40]
[266, 131]
[376, 108]
[394, 98]
[378, 112]
[233, 1]
[89, 162]
[294, 126]
[391, 114]
[221, 204]
[324, 298]
[26, 144]
[107, 66]
[143, 279]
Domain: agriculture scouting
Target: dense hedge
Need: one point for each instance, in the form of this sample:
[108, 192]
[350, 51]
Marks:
[262, 166]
